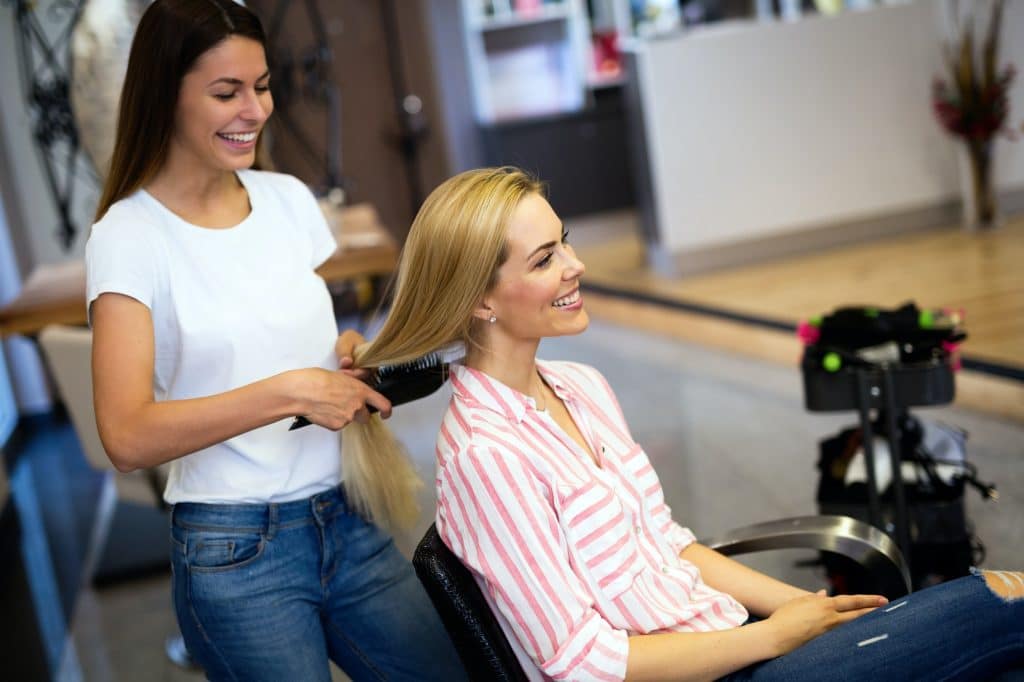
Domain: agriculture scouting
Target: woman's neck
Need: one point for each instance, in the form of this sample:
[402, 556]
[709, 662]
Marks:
[198, 190]
[209, 198]
[513, 364]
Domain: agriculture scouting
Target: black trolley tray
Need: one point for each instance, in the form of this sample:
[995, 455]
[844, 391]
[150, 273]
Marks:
[913, 385]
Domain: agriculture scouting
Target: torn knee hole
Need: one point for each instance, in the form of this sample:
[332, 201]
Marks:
[1007, 584]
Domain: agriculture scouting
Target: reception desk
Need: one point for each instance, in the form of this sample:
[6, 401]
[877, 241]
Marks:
[753, 134]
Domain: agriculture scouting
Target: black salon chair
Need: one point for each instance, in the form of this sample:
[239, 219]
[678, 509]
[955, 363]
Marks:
[487, 655]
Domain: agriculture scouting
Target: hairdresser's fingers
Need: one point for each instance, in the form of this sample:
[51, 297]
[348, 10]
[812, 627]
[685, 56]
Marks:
[362, 415]
[360, 373]
[346, 344]
[382, 404]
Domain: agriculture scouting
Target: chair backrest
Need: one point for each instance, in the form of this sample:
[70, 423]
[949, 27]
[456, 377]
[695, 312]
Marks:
[68, 353]
[485, 651]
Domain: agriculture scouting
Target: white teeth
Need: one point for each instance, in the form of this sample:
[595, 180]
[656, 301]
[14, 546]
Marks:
[567, 300]
[239, 137]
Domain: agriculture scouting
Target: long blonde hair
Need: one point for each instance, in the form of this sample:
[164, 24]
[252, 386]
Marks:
[451, 257]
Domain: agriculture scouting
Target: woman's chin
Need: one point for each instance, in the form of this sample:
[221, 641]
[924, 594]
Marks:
[577, 325]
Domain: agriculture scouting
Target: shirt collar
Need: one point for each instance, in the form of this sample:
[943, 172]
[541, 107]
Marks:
[482, 389]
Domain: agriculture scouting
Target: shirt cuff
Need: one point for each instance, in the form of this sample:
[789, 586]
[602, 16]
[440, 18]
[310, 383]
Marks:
[595, 651]
[680, 538]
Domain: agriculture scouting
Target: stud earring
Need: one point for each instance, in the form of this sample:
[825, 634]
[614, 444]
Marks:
[493, 319]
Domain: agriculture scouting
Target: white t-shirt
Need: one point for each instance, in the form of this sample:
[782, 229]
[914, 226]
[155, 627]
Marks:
[230, 307]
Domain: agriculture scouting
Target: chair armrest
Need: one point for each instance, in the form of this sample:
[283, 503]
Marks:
[856, 540]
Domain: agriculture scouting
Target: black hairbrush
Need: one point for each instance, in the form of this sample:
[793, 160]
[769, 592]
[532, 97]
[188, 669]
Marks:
[404, 382]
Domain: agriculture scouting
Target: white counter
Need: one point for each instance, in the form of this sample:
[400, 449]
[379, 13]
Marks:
[755, 130]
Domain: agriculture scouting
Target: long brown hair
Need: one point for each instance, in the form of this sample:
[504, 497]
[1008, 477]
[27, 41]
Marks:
[171, 36]
[450, 261]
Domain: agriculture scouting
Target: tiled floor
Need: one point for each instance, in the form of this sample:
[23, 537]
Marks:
[728, 435]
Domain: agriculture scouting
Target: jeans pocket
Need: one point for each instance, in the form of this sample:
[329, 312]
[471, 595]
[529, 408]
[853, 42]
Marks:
[210, 551]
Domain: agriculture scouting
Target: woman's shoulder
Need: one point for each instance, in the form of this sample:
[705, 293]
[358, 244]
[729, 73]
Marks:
[576, 373]
[129, 219]
[473, 432]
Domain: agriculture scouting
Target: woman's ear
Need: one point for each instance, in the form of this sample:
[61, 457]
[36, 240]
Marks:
[483, 312]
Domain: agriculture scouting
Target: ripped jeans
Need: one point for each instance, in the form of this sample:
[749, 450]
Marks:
[959, 630]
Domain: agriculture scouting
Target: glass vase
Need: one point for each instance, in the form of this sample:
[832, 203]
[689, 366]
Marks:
[977, 185]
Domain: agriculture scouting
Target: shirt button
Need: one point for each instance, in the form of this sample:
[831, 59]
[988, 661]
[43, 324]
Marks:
[664, 568]
[638, 530]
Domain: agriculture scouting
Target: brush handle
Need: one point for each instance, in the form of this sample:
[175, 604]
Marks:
[300, 422]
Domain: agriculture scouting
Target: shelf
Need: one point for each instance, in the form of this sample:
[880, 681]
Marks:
[527, 63]
[544, 14]
[597, 81]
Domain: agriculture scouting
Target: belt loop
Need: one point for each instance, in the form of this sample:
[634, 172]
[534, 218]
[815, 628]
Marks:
[271, 520]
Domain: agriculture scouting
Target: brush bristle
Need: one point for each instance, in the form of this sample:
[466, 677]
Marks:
[428, 361]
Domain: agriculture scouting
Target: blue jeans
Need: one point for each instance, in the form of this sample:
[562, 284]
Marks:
[272, 591]
[959, 630]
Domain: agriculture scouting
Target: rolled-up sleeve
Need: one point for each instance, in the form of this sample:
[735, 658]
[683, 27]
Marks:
[497, 516]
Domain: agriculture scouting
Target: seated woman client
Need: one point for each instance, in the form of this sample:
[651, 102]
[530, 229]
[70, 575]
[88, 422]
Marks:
[544, 495]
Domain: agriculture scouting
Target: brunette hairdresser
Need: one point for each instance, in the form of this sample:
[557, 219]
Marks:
[211, 331]
[560, 516]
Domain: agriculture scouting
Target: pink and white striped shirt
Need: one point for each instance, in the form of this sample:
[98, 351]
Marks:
[572, 557]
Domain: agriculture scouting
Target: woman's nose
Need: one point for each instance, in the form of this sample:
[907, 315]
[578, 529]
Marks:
[574, 267]
[257, 108]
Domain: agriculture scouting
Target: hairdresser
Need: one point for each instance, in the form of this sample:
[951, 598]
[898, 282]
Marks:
[212, 329]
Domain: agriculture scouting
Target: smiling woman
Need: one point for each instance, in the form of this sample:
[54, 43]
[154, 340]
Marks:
[229, 108]
[560, 516]
[211, 330]
[537, 293]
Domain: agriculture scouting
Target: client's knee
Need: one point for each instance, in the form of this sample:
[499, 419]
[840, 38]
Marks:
[1007, 584]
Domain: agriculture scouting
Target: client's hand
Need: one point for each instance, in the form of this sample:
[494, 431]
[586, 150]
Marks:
[802, 619]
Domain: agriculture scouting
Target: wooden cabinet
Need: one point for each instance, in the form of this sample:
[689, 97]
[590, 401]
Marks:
[583, 156]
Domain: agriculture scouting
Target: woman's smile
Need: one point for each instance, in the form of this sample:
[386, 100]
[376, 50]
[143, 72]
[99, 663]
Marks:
[240, 140]
[571, 301]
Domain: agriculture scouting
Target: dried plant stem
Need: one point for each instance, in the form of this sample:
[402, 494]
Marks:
[979, 153]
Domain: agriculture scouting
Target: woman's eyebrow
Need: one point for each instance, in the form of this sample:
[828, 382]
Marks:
[235, 81]
[545, 245]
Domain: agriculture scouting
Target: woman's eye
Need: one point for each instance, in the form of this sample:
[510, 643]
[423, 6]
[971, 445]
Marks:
[262, 88]
[543, 262]
[565, 237]
[224, 96]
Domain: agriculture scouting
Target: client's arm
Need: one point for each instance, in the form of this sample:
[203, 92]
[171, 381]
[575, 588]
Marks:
[495, 514]
[710, 655]
[759, 593]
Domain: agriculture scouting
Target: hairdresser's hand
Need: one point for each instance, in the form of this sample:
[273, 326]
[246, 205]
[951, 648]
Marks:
[802, 619]
[335, 399]
[345, 348]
